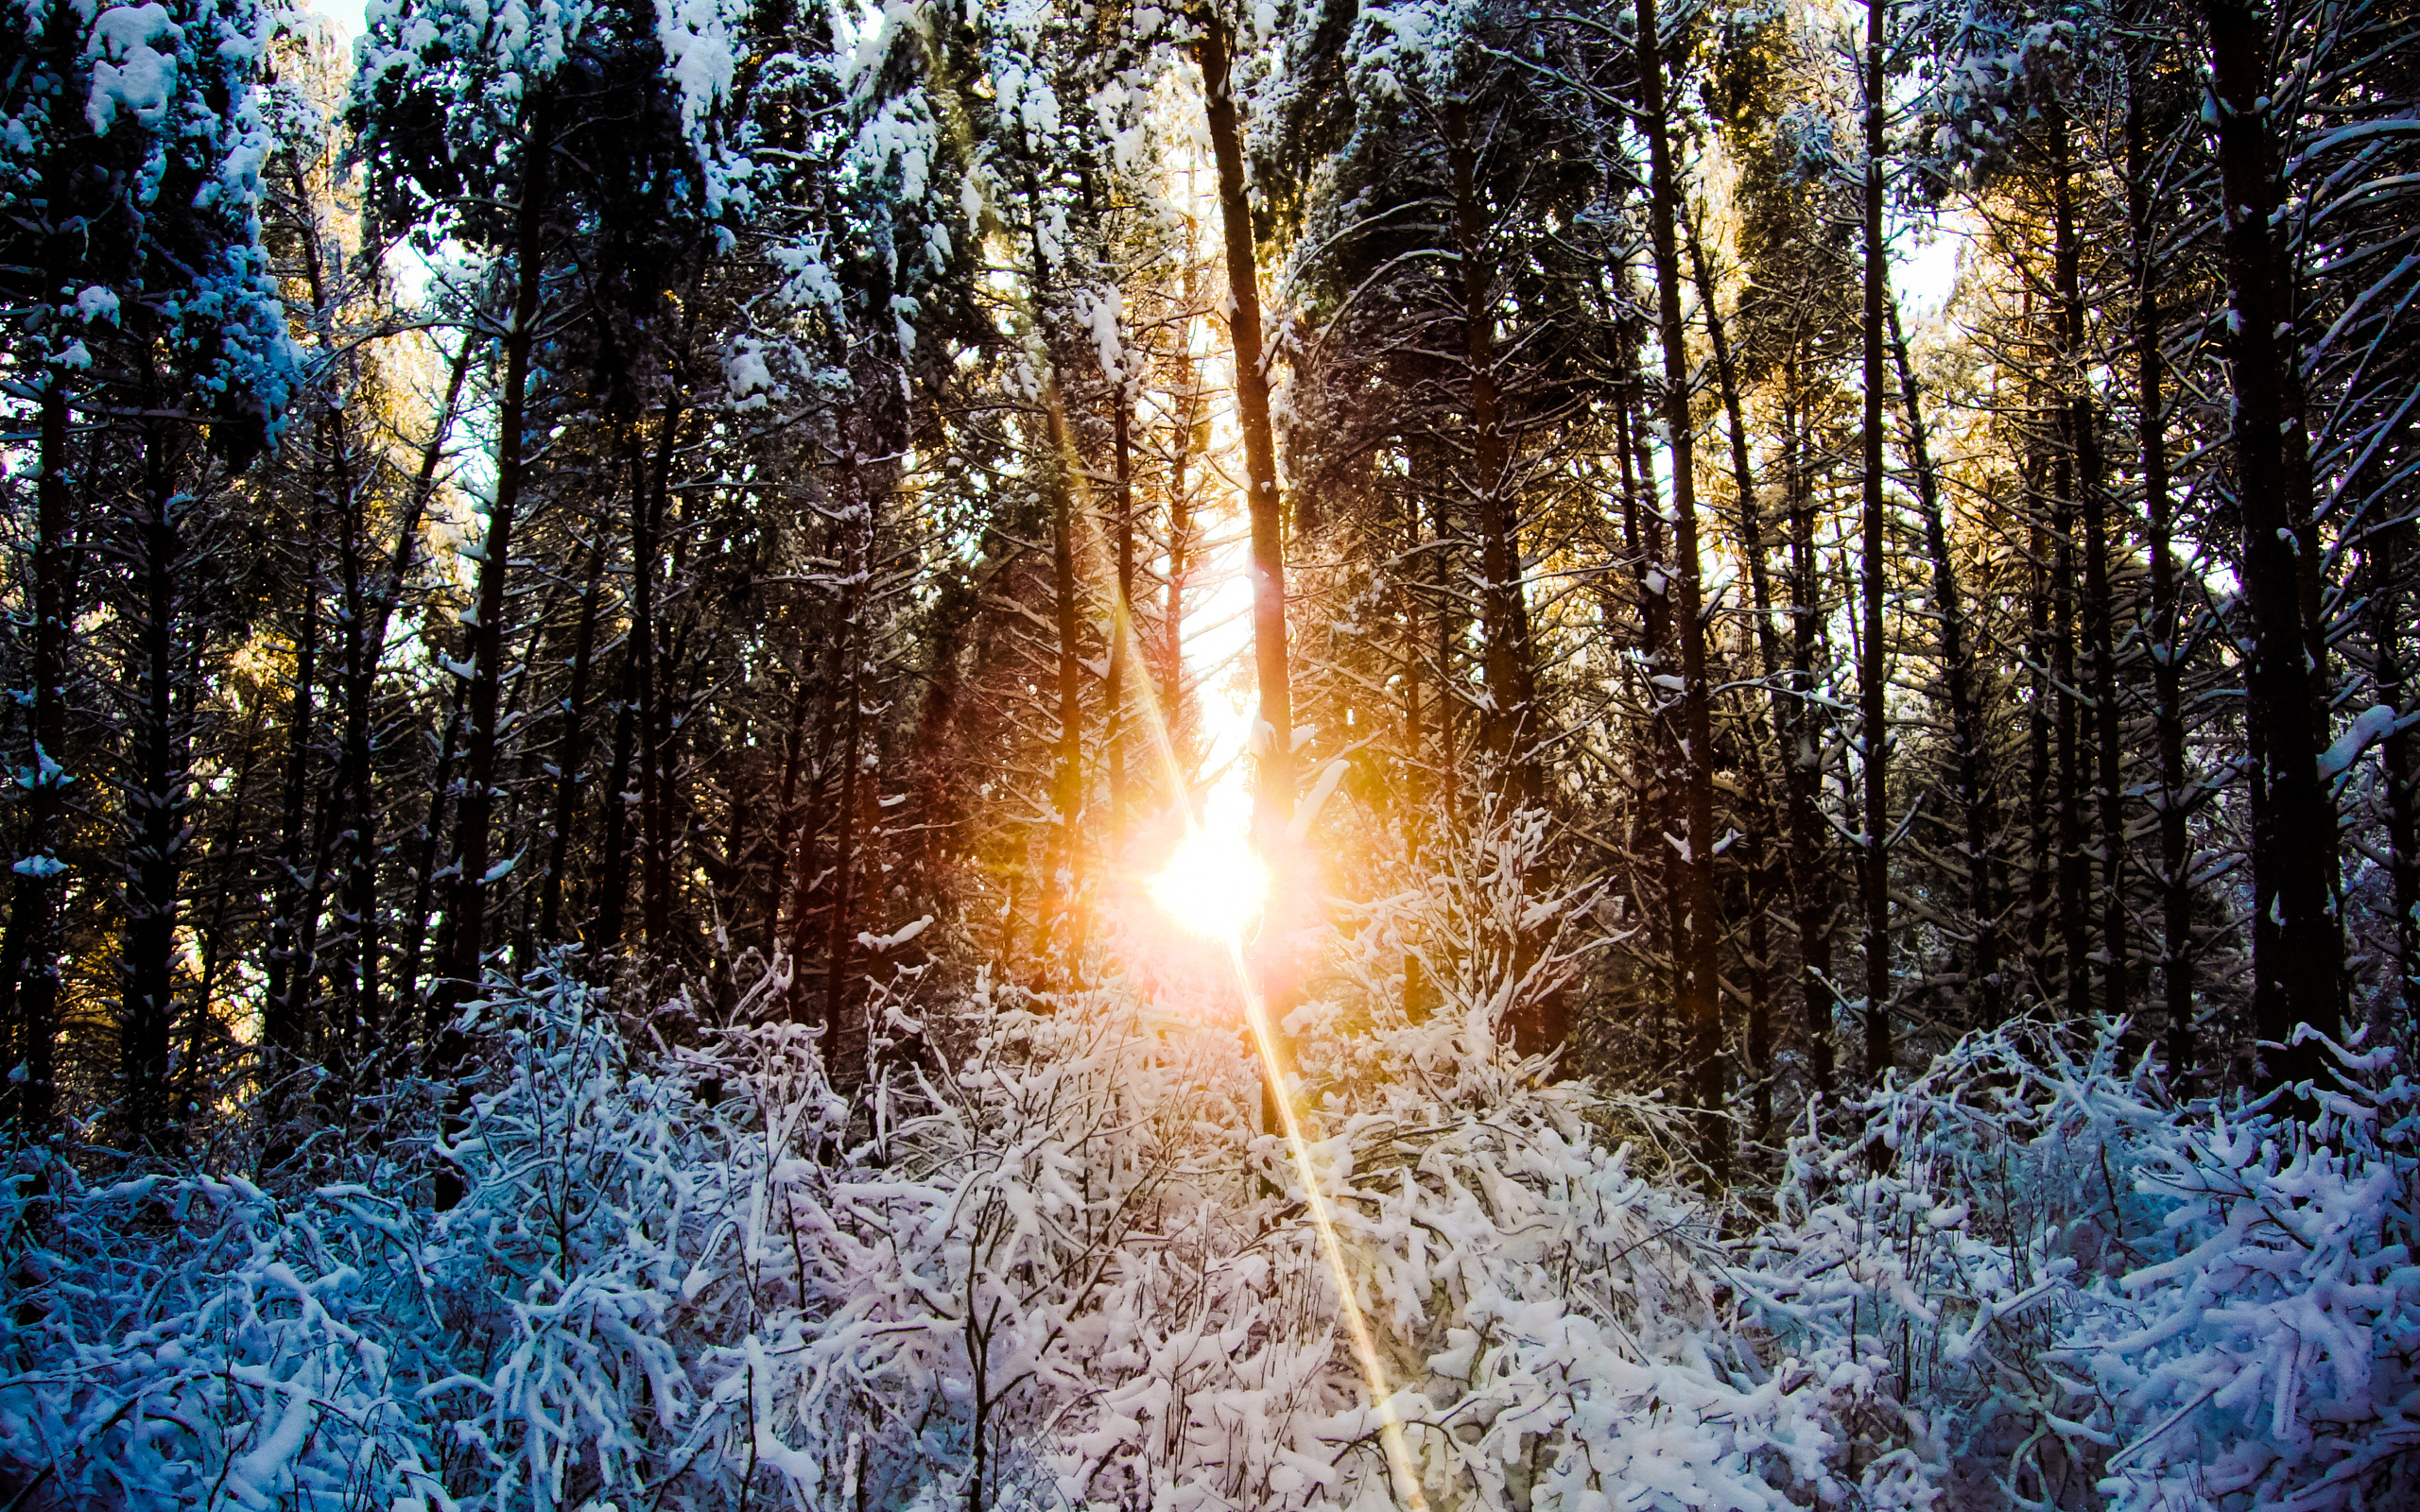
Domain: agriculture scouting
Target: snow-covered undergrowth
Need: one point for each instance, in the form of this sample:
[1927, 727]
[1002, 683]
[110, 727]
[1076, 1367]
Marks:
[2044, 1283]
[1072, 1273]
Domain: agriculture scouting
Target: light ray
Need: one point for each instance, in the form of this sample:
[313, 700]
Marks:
[1146, 695]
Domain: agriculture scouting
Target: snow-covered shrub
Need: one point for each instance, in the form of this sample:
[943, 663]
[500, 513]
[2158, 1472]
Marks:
[2047, 1283]
[1068, 1269]
[193, 1342]
[2264, 1351]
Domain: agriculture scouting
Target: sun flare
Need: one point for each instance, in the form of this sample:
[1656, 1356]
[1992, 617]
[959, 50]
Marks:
[1213, 885]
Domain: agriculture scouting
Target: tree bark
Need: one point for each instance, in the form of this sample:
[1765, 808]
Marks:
[2083, 428]
[1766, 652]
[1874, 737]
[1975, 797]
[2298, 966]
[1274, 794]
[158, 796]
[2175, 843]
[1816, 910]
[1506, 726]
[1700, 934]
[466, 913]
[568, 751]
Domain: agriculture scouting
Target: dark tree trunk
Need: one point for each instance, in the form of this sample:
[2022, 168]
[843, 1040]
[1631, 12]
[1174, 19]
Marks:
[29, 956]
[1274, 794]
[287, 1002]
[1505, 726]
[1700, 931]
[1965, 716]
[651, 496]
[1766, 643]
[158, 796]
[856, 648]
[1121, 620]
[1066, 891]
[2075, 869]
[569, 750]
[2297, 967]
[2083, 429]
[1874, 868]
[1816, 910]
[2175, 844]
[466, 914]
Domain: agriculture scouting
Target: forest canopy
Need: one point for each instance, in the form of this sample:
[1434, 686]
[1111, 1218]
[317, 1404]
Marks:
[1479, 753]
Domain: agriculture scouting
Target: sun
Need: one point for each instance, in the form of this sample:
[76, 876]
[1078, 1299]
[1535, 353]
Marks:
[1212, 886]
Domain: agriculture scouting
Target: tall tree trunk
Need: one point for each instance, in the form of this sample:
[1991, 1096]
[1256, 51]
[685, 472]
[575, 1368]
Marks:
[1814, 906]
[287, 1002]
[2041, 717]
[2390, 625]
[2075, 867]
[568, 751]
[1874, 868]
[1274, 794]
[359, 772]
[1700, 935]
[2101, 653]
[858, 505]
[653, 493]
[1067, 767]
[1121, 619]
[2298, 964]
[1766, 654]
[147, 965]
[30, 967]
[1965, 716]
[466, 914]
[1505, 726]
[2175, 844]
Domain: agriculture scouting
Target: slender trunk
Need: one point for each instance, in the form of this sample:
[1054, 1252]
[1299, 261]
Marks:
[146, 967]
[2390, 625]
[1067, 771]
[2075, 869]
[1700, 935]
[1122, 614]
[655, 840]
[1643, 538]
[2175, 852]
[408, 980]
[466, 914]
[360, 755]
[1965, 716]
[287, 998]
[1874, 858]
[1505, 730]
[568, 751]
[838, 939]
[2297, 967]
[2100, 655]
[2040, 722]
[345, 818]
[1179, 563]
[30, 969]
[631, 726]
[1766, 652]
[1274, 794]
[1810, 866]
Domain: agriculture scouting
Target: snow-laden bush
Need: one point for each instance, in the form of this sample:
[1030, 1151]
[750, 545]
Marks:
[2047, 1283]
[191, 1341]
[1071, 1271]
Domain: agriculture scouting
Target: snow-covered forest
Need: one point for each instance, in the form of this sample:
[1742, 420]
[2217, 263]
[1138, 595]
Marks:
[1045, 754]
